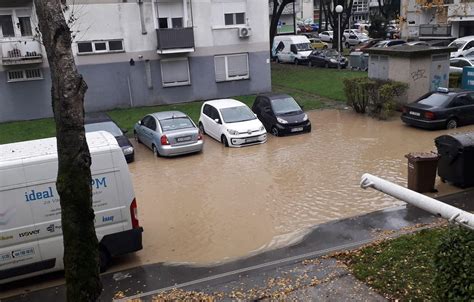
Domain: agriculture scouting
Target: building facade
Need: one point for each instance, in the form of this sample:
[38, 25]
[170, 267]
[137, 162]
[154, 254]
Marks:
[138, 53]
[437, 19]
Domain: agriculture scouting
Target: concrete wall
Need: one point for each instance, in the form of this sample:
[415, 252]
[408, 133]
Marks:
[118, 84]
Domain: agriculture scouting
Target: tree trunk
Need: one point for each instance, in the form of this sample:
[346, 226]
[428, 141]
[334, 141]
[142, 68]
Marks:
[277, 11]
[81, 254]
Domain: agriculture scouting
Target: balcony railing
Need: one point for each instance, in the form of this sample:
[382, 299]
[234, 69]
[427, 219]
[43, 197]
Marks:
[435, 30]
[21, 52]
[175, 39]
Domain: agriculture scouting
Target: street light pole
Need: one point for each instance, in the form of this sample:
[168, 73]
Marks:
[339, 10]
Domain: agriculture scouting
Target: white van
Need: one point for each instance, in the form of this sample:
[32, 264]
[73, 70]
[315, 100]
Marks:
[463, 45]
[31, 241]
[291, 49]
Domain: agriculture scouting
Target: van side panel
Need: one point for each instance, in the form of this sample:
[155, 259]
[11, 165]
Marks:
[18, 233]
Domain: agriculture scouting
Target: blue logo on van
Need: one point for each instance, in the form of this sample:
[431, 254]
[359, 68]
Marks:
[99, 182]
[38, 195]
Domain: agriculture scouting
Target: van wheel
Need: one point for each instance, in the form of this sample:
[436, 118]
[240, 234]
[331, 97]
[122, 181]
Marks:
[201, 129]
[137, 139]
[155, 151]
[224, 141]
[104, 259]
[452, 124]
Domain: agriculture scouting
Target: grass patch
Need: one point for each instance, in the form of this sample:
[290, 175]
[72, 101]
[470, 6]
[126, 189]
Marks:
[306, 85]
[318, 81]
[401, 268]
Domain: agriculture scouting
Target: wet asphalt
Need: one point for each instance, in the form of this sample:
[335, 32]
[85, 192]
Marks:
[244, 274]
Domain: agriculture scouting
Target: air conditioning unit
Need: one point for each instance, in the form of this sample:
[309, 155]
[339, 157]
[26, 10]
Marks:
[245, 32]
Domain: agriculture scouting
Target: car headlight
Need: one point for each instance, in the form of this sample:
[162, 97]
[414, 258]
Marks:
[233, 132]
[261, 128]
[305, 117]
[333, 61]
[281, 121]
[127, 150]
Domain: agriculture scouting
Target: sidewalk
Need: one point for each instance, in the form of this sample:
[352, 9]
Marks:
[297, 272]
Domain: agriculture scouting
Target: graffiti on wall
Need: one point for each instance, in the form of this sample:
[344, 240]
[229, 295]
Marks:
[419, 74]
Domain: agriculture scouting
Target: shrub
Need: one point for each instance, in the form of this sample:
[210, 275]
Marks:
[373, 96]
[455, 80]
[454, 263]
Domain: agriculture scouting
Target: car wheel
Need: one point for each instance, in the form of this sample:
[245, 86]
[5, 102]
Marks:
[330, 40]
[451, 124]
[275, 131]
[310, 64]
[325, 47]
[137, 139]
[326, 65]
[348, 45]
[297, 62]
[201, 129]
[278, 60]
[224, 141]
[104, 259]
[343, 38]
[155, 151]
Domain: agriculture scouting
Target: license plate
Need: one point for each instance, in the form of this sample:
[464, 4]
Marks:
[297, 129]
[251, 140]
[415, 113]
[183, 139]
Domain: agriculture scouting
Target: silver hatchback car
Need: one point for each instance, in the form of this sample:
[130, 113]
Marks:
[168, 133]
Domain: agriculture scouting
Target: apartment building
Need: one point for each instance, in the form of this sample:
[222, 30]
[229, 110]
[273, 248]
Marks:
[138, 53]
[440, 19]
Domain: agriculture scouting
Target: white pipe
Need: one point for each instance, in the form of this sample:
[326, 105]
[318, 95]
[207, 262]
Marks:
[421, 201]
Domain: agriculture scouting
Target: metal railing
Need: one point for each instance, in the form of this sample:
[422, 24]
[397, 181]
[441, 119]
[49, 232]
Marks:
[421, 201]
[435, 30]
[174, 38]
[24, 51]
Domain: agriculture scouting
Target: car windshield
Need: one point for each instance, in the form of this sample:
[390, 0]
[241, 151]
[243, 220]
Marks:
[285, 106]
[331, 53]
[237, 114]
[457, 44]
[176, 124]
[303, 46]
[109, 126]
[435, 99]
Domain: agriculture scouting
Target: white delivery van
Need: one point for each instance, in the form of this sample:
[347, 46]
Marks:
[291, 49]
[31, 241]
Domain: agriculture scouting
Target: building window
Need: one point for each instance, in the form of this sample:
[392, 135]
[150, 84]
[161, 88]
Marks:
[25, 26]
[175, 72]
[6, 26]
[170, 22]
[234, 18]
[231, 67]
[24, 75]
[163, 22]
[100, 47]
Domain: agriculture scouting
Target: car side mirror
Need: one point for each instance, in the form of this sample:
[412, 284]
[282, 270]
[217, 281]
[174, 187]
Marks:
[124, 130]
[139, 122]
[217, 121]
[302, 107]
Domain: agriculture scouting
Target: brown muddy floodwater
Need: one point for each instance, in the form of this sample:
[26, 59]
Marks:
[226, 203]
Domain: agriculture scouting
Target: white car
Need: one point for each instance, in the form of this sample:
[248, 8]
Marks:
[457, 64]
[326, 36]
[353, 40]
[232, 123]
[463, 45]
[349, 32]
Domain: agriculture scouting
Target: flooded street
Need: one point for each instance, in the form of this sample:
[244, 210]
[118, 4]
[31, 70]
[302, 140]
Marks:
[226, 203]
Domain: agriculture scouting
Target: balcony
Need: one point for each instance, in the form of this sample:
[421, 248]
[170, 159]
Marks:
[175, 40]
[434, 30]
[21, 52]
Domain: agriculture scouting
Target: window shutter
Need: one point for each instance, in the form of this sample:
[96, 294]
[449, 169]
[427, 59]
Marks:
[219, 63]
[175, 73]
[238, 65]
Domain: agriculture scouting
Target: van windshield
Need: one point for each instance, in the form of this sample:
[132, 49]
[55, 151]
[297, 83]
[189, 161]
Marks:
[303, 46]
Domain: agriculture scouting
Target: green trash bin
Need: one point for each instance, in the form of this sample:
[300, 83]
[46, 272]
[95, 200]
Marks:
[422, 171]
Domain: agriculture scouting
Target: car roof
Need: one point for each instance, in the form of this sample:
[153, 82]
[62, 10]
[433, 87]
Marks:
[465, 38]
[274, 96]
[164, 115]
[96, 117]
[224, 103]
